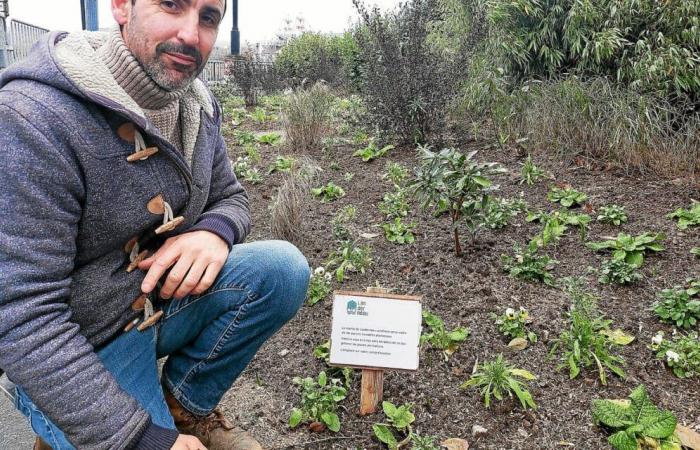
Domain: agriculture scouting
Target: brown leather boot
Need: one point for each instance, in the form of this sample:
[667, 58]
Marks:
[39, 444]
[213, 430]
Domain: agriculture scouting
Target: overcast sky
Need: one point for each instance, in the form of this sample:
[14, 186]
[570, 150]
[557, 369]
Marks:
[258, 20]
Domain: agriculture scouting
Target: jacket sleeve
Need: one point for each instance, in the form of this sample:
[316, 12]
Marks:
[40, 348]
[227, 212]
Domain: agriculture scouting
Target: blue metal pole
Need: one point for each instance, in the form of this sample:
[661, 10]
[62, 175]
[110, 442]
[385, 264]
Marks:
[90, 15]
[235, 34]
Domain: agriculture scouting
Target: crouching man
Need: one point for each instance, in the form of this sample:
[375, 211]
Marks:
[121, 239]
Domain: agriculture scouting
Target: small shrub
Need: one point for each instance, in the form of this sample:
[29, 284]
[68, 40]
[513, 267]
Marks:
[680, 306]
[400, 419]
[566, 196]
[686, 217]
[372, 152]
[251, 75]
[438, 336]
[530, 173]
[452, 182]
[399, 232]
[637, 422]
[341, 222]
[319, 286]
[499, 211]
[513, 324]
[527, 265]
[612, 214]
[498, 378]
[395, 204]
[588, 340]
[319, 402]
[629, 248]
[349, 257]
[681, 353]
[306, 117]
[395, 173]
[281, 164]
[328, 193]
[618, 271]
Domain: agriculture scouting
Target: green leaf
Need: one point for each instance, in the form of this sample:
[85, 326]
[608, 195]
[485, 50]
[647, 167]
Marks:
[322, 379]
[384, 434]
[610, 413]
[331, 420]
[295, 417]
[622, 441]
[635, 259]
[618, 336]
[522, 373]
[660, 426]
[389, 409]
[403, 417]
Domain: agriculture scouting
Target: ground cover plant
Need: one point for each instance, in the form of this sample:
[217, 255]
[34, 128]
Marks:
[680, 305]
[399, 423]
[556, 223]
[372, 152]
[498, 379]
[513, 324]
[527, 264]
[319, 286]
[349, 257]
[630, 249]
[499, 211]
[399, 232]
[319, 402]
[329, 192]
[587, 342]
[680, 352]
[566, 196]
[686, 217]
[453, 182]
[637, 422]
[530, 173]
[437, 335]
[612, 214]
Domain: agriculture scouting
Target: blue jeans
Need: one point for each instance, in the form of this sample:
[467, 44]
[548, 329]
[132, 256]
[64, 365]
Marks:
[209, 339]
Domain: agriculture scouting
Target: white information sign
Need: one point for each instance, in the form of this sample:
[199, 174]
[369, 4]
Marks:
[375, 331]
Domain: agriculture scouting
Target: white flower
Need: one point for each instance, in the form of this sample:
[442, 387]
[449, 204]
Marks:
[672, 356]
[327, 276]
[656, 340]
[510, 313]
[319, 271]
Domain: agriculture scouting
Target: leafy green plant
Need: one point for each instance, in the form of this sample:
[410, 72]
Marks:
[259, 115]
[588, 341]
[527, 265]
[269, 138]
[438, 336]
[323, 352]
[680, 305]
[530, 173]
[612, 214]
[348, 176]
[329, 192]
[319, 286]
[319, 401]
[498, 378]
[396, 173]
[686, 217]
[394, 204]
[630, 248]
[399, 419]
[282, 164]
[349, 258]
[499, 211]
[245, 171]
[341, 222]
[450, 181]
[557, 223]
[618, 271]
[681, 353]
[637, 422]
[253, 153]
[244, 138]
[399, 232]
[566, 196]
[372, 152]
[513, 324]
[695, 251]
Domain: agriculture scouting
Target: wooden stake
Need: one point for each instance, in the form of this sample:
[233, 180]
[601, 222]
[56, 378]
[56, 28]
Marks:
[372, 387]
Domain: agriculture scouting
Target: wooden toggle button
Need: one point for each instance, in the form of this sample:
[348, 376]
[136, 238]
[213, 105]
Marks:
[129, 246]
[140, 303]
[142, 155]
[156, 205]
[129, 326]
[170, 225]
[150, 321]
[135, 263]
[127, 132]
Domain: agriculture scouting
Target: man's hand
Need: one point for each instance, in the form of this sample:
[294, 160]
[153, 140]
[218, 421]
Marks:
[198, 256]
[185, 442]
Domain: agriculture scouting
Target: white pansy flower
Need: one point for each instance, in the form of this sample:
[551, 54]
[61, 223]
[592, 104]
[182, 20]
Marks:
[672, 356]
[510, 313]
[327, 276]
[319, 271]
[656, 340]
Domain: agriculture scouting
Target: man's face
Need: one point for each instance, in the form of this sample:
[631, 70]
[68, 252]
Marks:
[172, 39]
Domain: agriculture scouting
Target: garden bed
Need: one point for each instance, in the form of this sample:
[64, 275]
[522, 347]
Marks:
[465, 291]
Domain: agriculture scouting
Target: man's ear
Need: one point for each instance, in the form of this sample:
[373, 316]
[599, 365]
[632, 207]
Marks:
[121, 10]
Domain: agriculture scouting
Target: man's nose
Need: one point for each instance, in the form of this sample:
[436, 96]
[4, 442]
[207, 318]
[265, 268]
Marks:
[189, 29]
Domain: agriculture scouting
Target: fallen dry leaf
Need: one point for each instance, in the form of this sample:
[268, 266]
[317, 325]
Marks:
[518, 344]
[317, 427]
[455, 444]
[688, 437]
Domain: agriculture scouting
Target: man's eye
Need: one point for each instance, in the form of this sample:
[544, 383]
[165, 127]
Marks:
[210, 21]
[169, 5]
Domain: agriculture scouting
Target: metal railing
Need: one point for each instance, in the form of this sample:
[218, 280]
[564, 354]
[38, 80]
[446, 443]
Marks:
[21, 38]
[214, 71]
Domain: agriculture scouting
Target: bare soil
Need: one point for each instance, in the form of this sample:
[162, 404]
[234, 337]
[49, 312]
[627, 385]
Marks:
[464, 291]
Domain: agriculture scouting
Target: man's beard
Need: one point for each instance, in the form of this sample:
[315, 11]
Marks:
[159, 72]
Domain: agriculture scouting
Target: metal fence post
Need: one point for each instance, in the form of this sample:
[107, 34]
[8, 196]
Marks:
[4, 42]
